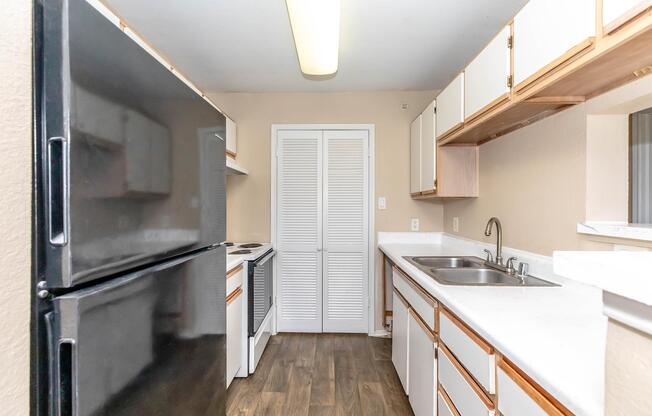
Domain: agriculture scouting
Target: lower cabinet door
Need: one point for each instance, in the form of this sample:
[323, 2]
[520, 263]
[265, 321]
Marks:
[233, 335]
[400, 339]
[422, 368]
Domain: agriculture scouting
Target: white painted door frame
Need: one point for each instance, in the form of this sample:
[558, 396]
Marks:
[371, 278]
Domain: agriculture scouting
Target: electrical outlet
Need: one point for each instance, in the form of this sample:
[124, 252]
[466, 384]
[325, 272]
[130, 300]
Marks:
[456, 224]
[382, 203]
[415, 224]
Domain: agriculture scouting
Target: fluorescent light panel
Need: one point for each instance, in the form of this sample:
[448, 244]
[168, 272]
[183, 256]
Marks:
[316, 29]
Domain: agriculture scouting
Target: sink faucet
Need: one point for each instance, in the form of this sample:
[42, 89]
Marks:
[499, 238]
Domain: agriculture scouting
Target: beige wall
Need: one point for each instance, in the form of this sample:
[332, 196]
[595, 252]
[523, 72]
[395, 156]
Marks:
[533, 180]
[15, 177]
[628, 371]
[248, 197]
[248, 202]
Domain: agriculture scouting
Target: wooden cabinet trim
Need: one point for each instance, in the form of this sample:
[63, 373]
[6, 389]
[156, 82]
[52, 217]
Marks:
[421, 291]
[423, 325]
[234, 295]
[637, 11]
[448, 400]
[572, 54]
[234, 271]
[401, 298]
[487, 108]
[541, 397]
[479, 391]
[486, 347]
[450, 131]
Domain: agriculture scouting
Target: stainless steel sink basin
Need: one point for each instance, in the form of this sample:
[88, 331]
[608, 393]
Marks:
[470, 271]
[484, 277]
[438, 262]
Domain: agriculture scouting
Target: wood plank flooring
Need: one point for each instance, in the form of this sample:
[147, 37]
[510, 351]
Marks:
[321, 374]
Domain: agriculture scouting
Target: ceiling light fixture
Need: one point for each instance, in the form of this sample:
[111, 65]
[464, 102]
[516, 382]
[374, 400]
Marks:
[316, 30]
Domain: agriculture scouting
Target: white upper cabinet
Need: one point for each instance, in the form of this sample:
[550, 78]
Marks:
[415, 156]
[545, 30]
[450, 106]
[486, 77]
[231, 138]
[617, 12]
[428, 149]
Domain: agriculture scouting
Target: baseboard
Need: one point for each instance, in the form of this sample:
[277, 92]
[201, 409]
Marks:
[381, 333]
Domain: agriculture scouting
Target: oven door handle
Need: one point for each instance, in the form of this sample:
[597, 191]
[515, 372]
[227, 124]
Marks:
[262, 261]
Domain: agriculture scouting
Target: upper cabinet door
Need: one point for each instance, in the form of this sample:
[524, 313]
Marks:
[450, 106]
[231, 138]
[486, 77]
[615, 13]
[428, 149]
[415, 156]
[547, 30]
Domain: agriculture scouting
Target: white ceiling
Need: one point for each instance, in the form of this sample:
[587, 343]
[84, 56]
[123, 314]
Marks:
[247, 45]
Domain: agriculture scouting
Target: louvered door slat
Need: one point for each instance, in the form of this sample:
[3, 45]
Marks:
[299, 222]
[346, 210]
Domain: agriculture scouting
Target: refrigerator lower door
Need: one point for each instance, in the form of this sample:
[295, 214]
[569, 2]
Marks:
[149, 343]
[132, 160]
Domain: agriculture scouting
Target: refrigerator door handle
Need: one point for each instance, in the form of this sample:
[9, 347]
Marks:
[61, 364]
[57, 181]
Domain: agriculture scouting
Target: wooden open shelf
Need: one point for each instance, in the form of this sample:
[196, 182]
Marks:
[604, 63]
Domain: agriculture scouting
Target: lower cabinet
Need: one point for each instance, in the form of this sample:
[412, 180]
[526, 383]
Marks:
[233, 334]
[464, 394]
[400, 319]
[422, 367]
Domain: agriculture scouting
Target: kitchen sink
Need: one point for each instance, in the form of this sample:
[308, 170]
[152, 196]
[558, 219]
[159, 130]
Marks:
[470, 271]
[484, 277]
[438, 262]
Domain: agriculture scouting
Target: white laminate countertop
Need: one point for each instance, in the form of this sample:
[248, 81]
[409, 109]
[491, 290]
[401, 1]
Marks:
[557, 335]
[234, 260]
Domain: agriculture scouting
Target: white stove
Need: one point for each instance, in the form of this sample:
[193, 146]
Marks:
[258, 287]
[247, 251]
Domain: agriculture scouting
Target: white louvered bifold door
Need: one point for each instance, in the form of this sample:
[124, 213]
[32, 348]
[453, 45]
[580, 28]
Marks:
[346, 211]
[299, 231]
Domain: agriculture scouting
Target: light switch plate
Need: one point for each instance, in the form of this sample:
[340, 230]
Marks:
[456, 224]
[415, 224]
[382, 203]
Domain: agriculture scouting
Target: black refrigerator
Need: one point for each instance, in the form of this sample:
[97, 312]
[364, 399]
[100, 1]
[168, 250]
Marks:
[129, 271]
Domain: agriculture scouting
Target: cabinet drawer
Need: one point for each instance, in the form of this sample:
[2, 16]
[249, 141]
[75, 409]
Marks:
[517, 396]
[471, 351]
[445, 406]
[234, 278]
[419, 301]
[467, 397]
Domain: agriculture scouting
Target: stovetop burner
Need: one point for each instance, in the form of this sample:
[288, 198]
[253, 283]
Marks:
[241, 252]
[250, 245]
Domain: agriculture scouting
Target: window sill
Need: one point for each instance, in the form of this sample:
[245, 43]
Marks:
[639, 232]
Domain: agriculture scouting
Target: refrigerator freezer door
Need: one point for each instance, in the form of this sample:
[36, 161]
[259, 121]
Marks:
[132, 161]
[148, 343]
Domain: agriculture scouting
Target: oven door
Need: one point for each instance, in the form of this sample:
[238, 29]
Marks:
[260, 290]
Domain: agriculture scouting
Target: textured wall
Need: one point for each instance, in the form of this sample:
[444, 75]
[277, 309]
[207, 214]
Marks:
[248, 198]
[249, 204]
[534, 180]
[15, 208]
